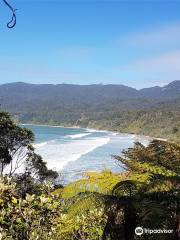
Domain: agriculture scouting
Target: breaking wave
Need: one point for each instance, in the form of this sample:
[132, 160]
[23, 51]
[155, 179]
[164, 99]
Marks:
[57, 154]
[80, 135]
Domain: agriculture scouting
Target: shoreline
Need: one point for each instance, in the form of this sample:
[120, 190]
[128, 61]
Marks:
[47, 125]
[61, 126]
[95, 130]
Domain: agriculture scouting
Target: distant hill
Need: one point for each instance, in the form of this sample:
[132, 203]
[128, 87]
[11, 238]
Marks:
[65, 93]
[172, 90]
[96, 93]
[116, 107]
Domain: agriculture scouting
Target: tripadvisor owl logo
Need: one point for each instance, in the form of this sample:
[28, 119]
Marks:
[139, 231]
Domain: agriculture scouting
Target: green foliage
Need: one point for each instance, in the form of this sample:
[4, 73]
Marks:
[160, 160]
[29, 218]
[88, 225]
[16, 151]
[93, 182]
[15, 142]
[101, 206]
[83, 218]
[154, 191]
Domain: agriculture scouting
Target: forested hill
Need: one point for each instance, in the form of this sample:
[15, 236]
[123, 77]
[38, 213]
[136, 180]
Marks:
[67, 93]
[152, 111]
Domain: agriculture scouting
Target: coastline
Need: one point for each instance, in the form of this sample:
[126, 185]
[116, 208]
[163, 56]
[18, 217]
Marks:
[47, 125]
[74, 150]
[93, 129]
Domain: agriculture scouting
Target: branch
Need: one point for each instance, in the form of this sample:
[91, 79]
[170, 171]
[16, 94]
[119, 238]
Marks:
[11, 23]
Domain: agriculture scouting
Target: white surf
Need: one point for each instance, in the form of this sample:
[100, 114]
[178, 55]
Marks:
[57, 155]
[80, 135]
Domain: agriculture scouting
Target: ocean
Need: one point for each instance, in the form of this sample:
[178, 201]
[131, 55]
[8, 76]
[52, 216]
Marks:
[74, 151]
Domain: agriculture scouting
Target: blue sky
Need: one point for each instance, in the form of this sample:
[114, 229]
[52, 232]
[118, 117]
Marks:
[135, 43]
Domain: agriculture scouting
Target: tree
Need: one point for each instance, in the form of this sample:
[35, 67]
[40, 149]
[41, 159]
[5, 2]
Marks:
[28, 218]
[17, 153]
[38, 169]
[146, 194]
[15, 143]
[155, 172]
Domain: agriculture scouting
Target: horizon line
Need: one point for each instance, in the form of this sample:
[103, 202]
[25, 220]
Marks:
[93, 84]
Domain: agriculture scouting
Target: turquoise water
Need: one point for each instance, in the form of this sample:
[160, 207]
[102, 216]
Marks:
[73, 151]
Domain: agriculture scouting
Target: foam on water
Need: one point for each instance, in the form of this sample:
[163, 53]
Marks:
[114, 134]
[57, 154]
[80, 135]
[72, 151]
[40, 144]
[91, 130]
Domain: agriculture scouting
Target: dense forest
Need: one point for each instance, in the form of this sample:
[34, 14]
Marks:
[152, 111]
[102, 206]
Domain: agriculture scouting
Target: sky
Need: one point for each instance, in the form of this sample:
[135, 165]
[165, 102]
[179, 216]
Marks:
[134, 43]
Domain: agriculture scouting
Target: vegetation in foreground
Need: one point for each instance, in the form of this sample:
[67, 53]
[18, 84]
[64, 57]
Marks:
[102, 206]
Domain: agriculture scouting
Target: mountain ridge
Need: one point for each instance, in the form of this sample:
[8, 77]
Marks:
[174, 82]
[151, 111]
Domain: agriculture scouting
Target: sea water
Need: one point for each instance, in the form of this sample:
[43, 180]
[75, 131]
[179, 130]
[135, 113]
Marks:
[74, 151]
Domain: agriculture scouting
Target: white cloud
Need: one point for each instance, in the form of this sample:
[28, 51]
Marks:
[164, 66]
[164, 35]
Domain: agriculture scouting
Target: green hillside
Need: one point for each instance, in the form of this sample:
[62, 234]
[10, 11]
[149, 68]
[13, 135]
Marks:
[151, 111]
